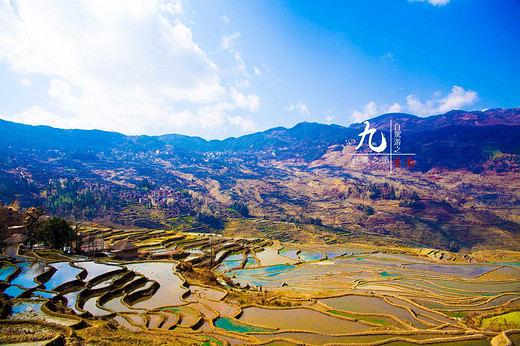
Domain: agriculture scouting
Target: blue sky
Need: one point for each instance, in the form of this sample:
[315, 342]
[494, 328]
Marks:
[226, 67]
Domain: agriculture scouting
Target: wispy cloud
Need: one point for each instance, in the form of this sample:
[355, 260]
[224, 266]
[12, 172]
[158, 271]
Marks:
[124, 65]
[299, 107]
[457, 98]
[227, 41]
[433, 2]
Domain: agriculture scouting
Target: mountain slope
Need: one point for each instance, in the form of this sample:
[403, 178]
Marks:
[462, 191]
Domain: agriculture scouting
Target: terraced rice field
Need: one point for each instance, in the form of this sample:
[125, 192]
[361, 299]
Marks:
[338, 296]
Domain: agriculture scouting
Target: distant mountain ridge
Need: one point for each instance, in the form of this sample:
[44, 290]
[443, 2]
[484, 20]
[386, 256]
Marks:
[302, 134]
[460, 192]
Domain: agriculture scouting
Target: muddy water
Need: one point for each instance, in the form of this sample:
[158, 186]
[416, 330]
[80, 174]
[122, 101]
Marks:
[205, 311]
[155, 320]
[188, 316]
[300, 319]
[90, 306]
[127, 325]
[370, 305]
[270, 257]
[117, 305]
[171, 319]
[222, 308]
[468, 270]
[506, 273]
[208, 293]
[319, 339]
[135, 318]
[170, 290]
[422, 311]
[479, 287]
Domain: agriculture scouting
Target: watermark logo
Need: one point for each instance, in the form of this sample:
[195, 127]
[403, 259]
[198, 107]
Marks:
[379, 155]
[368, 131]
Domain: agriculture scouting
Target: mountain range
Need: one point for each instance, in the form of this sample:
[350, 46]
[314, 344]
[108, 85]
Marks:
[453, 182]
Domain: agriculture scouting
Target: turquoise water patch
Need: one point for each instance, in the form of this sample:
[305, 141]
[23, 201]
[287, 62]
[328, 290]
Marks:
[308, 255]
[228, 265]
[30, 270]
[507, 263]
[44, 294]
[388, 274]
[13, 291]
[6, 270]
[264, 270]
[251, 261]
[235, 326]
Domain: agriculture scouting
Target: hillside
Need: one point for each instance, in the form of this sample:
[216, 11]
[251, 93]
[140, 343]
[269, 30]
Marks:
[460, 190]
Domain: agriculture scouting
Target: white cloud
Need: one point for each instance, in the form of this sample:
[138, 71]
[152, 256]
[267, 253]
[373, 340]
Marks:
[225, 19]
[126, 65]
[433, 2]
[369, 110]
[245, 124]
[329, 119]
[25, 81]
[227, 41]
[34, 114]
[300, 107]
[456, 99]
[251, 102]
[257, 71]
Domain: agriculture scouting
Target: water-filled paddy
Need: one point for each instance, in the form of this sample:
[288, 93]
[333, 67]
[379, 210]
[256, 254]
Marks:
[116, 304]
[235, 326]
[188, 315]
[468, 270]
[127, 325]
[370, 305]
[270, 257]
[228, 265]
[320, 339]
[32, 311]
[13, 291]
[6, 270]
[65, 273]
[171, 319]
[505, 273]
[30, 270]
[291, 253]
[299, 319]
[90, 306]
[95, 269]
[71, 299]
[206, 292]
[308, 255]
[170, 290]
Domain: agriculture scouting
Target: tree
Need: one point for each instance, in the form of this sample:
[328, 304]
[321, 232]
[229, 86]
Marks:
[54, 232]
[241, 208]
